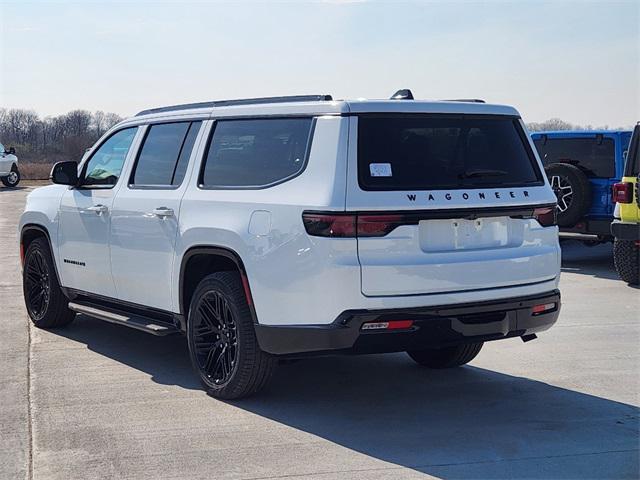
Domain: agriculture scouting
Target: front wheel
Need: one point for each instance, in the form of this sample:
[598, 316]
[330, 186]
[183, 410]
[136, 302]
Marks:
[12, 179]
[626, 258]
[447, 357]
[46, 304]
[222, 341]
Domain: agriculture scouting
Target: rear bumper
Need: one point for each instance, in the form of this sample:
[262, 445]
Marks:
[595, 228]
[432, 327]
[625, 230]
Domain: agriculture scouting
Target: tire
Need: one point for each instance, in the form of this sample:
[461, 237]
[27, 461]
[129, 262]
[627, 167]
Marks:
[228, 359]
[447, 357]
[13, 179]
[573, 192]
[46, 305]
[626, 257]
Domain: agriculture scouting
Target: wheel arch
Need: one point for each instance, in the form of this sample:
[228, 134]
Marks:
[28, 234]
[202, 260]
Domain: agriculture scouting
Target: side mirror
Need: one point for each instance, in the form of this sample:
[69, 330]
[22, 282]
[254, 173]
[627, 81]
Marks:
[11, 151]
[65, 173]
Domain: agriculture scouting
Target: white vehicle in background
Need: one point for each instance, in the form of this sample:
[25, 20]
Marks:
[293, 226]
[9, 173]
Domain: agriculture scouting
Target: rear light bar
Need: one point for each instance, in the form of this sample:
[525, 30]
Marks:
[390, 325]
[623, 192]
[351, 225]
[342, 225]
[542, 308]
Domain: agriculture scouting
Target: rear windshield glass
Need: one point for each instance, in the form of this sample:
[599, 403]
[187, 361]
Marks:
[595, 156]
[436, 152]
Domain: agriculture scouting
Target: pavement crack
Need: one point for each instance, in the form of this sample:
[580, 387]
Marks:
[29, 406]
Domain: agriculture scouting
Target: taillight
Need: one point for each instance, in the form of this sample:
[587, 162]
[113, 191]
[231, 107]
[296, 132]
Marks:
[377, 225]
[623, 192]
[329, 225]
[344, 226]
[546, 216]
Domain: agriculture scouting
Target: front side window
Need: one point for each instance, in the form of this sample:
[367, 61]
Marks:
[256, 152]
[593, 155]
[165, 153]
[105, 165]
[434, 152]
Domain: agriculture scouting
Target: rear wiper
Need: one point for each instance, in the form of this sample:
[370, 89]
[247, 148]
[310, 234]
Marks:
[483, 173]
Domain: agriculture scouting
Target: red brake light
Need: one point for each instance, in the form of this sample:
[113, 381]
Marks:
[546, 216]
[377, 225]
[623, 192]
[329, 225]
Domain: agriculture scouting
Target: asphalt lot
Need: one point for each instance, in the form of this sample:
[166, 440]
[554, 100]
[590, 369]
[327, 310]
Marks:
[97, 400]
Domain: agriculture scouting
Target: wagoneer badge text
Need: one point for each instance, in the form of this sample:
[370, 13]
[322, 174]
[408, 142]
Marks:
[467, 196]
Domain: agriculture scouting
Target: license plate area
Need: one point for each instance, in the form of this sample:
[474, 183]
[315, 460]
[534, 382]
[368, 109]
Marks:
[444, 235]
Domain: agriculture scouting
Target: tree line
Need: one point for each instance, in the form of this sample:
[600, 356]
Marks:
[66, 137]
[53, 138]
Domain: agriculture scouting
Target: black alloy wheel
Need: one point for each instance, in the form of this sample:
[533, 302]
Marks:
[215, 338]
[37, 284]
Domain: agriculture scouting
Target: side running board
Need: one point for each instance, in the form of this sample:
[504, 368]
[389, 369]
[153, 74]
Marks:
[144, 324]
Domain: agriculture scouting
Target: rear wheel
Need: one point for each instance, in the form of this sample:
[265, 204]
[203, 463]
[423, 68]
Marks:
[222, 341]
[46, 304]
[12, 179]
[447, 357]
[626, 257]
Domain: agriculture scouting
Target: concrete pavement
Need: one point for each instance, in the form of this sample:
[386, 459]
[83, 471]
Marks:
[96, 400]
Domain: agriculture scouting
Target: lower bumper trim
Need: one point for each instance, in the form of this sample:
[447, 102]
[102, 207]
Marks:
[432, 327]
[625, 230]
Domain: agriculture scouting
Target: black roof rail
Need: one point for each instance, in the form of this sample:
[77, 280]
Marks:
[241, 101]
[468, 100]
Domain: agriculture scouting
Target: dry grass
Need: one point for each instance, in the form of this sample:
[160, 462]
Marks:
[34, 171]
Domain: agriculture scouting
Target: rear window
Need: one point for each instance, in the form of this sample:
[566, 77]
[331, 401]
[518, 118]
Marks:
[593, 155]
[256, 153]
[437, 152]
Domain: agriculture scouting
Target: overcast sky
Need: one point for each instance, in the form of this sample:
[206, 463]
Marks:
[579, 61]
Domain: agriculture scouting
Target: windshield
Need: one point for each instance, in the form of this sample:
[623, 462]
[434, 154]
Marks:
[435, 152]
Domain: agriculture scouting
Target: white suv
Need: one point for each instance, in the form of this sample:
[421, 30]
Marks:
[9, 173]
[283, 227]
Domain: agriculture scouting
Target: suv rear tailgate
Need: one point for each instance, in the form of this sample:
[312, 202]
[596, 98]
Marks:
[453, 226]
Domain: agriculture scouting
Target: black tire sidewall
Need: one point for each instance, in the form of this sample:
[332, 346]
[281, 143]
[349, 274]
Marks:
[240, 311]
[5, 180]
[56, 313]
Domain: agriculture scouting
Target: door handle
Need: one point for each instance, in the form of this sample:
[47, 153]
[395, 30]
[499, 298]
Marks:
[163, 212]
[98, 209]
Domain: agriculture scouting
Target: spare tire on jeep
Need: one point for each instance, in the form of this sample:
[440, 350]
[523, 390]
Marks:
[572, 190]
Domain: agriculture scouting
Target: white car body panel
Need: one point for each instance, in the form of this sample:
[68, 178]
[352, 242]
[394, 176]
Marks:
[295, 278]
[7, 160]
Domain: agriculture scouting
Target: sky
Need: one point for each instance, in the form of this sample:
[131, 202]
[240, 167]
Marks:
[575, 60]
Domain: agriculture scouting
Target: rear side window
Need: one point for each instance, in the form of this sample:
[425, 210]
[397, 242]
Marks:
[165, 153]
[256, 152]
[594, 155]
[436, 152]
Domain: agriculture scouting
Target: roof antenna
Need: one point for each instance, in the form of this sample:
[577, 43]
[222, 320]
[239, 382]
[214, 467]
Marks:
[404, 94]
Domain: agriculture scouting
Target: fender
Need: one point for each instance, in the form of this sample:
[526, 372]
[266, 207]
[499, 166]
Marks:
[35, 227]
[216, 251]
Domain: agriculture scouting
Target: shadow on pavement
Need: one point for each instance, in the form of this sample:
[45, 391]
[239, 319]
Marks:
[596, 261]
[432, 421]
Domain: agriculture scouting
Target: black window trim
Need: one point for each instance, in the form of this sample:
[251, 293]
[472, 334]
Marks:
[84, 164]
[205, 154]
[133, 186]
[632, 162]
[515, 119]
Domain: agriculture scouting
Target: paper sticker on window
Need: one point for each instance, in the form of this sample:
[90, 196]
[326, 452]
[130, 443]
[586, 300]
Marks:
[380, 169]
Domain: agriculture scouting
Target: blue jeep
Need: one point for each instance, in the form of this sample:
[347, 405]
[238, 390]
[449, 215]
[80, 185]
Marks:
[582, 167]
